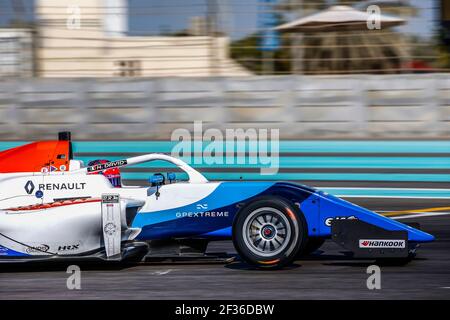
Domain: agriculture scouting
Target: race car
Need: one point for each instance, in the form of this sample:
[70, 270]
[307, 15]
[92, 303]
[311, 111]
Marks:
[52, 207]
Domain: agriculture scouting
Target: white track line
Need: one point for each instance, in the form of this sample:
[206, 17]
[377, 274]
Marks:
[390, 189]
[423, 214]
[161, 273]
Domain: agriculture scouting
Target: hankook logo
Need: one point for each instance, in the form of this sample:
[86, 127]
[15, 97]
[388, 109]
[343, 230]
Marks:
[381, 244]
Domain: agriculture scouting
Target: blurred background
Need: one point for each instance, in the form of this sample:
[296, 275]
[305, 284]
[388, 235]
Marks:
[359, 90]
[136, 38]
[313, 69]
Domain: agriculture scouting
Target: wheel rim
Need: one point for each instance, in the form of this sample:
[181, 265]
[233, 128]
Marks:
[266, 231]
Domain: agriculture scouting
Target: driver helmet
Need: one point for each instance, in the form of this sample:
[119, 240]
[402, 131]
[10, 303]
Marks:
[112, 174]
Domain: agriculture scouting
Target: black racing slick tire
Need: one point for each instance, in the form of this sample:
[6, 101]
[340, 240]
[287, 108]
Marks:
[269, 232]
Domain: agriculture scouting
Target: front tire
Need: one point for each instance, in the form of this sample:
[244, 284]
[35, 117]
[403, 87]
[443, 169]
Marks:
[269, 232]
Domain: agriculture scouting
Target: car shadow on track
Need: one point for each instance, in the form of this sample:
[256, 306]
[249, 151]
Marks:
[345, 259]
[240, 265]
[380, 262]
[59, 266]
[319, 256]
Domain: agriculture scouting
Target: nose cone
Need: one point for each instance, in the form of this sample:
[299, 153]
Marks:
[376, 219]
[419, 236]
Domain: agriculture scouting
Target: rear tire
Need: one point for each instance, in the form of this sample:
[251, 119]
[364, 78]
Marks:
[269, 232]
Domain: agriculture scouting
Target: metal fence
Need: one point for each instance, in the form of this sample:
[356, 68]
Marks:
[301, 107]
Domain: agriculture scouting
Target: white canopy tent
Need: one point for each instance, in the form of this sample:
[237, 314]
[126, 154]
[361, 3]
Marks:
[338, 39]
[337, 18]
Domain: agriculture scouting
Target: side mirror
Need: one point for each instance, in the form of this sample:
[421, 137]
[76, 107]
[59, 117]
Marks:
[171, 176]
[156, 180]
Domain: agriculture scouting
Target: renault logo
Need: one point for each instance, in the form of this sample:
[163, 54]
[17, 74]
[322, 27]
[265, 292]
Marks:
[29, 187]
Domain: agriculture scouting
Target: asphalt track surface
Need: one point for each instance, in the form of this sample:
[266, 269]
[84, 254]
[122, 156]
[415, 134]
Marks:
[328, 274]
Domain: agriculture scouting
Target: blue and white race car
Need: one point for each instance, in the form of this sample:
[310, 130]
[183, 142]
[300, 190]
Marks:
[52, 207]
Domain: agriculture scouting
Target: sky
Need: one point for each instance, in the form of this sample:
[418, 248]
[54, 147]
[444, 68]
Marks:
[241, 16]
[238, 17]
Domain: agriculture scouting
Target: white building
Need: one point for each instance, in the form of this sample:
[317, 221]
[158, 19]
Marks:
[88, 38]
[16, 53]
